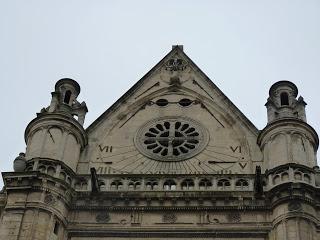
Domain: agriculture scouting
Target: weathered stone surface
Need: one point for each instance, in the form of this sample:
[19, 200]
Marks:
[173, 158]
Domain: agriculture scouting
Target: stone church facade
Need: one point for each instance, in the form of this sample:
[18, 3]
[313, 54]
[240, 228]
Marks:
[173, 158]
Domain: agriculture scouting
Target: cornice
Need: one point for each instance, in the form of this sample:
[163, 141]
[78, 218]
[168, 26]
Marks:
[294, 165]
[171, 208]
[241, 232]
[286, 122]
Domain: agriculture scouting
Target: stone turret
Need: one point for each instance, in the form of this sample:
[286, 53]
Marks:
[57, 132]
[64, 100]
[289, 148]
[282, 102]
[287, 138]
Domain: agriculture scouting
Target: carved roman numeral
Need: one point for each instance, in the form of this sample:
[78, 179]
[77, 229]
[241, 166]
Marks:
[242, 165]
[236, 149]
[105, 148]
[103, 170]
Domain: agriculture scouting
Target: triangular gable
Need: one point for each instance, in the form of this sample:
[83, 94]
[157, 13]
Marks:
[175, 50]
[151, 129]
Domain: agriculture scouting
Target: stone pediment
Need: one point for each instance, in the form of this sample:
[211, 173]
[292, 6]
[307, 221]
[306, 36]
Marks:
[174, 120]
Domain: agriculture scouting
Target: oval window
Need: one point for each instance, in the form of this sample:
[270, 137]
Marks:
[185, 102]
[162, 102]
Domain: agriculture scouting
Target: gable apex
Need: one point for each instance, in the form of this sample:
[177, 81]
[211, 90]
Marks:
[177, 46]
[174, 56]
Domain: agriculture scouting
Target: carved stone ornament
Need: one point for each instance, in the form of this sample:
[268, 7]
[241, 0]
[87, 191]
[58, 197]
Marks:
[19, 164]
[123, 221]
[103, 217]
[49, 199]
[169, 218]
[171, 139]
[294, 206]
[176, 64]
[234, 217]
[212, 220]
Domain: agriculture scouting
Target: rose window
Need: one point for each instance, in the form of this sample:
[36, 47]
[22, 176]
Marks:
[171, 139]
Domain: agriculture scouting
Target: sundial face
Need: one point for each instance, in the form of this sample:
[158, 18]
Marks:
[173, 145]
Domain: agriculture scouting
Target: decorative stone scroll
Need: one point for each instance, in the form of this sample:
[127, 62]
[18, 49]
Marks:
[103, 217]
[50, 199]
[211, 219]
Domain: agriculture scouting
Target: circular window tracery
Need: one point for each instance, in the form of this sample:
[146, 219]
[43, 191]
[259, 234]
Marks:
[171, 139]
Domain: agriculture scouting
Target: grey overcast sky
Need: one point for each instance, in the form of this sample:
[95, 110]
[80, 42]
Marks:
[243, 46]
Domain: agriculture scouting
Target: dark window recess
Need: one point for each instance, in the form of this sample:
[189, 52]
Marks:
[169, 185]
[284, 98]
[162, 102]
[185, 102]
[223, 183]
[242, 183]
[56, 228]
[67, 97]
[205, 183]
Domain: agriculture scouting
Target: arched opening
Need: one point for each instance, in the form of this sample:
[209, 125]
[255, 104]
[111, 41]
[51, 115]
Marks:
[307, 178]
[242, 184]
[151, 184]
[67, 97]
[205, 184]
[42, 169]
[76, 117]
[56, 228]
[223, 184]
[116, 185]
[80, 184]
[298, 176]
[62, 176]
[51, 171]
[284, 176]
[276, 179]
[170, 185]
[102, 186]
[284, 98]
[187, 184]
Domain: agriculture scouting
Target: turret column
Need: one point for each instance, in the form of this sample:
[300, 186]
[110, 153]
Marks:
[289, 148]
[287, 138]
[57, 132]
